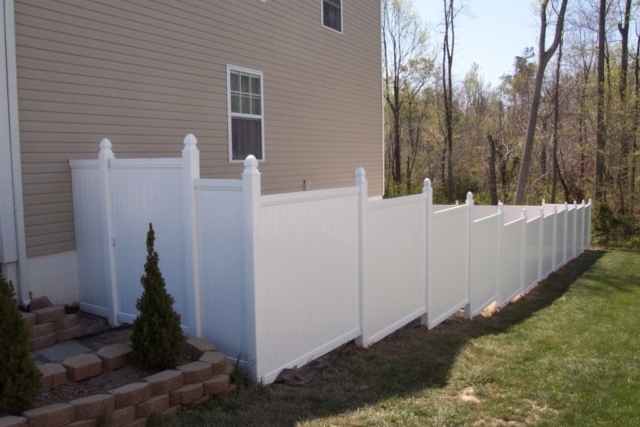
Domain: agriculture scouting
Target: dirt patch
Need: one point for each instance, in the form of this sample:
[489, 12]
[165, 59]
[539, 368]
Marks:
[468, 395]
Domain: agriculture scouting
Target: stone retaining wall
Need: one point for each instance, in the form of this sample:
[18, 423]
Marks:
[48, 324]
[130, 405]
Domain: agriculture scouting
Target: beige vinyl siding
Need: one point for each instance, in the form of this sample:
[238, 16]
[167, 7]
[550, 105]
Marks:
[144, 74]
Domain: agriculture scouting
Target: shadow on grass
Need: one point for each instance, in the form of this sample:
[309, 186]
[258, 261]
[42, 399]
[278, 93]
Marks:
[409, 360]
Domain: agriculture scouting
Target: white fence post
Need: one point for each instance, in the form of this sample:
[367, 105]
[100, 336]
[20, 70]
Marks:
[554, 260]
[566, 229]
[469, 202]
[191, 172]
[523, 249]
[589, 224]
[541, 242]
[575, 229]
[500, 243]
[582, 227]
[251, 194]
[361, 182]
[428, 191]
[108, 239]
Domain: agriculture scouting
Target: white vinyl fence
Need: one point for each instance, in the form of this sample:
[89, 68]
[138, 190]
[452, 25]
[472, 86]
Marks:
[279, 280]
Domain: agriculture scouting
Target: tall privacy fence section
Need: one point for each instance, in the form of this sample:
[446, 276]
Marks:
[282, 279]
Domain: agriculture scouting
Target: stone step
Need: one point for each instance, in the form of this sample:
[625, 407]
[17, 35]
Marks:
[217, 359]
[56, 415]
[94, 406]
[216, 385]
[123, 416]
[82, 366]
[196, 372]
[69, 333]
[39, 303]
[114, 356]
[11, 421]
[31, 319]
[131, 394]
[53, 375]
[165, 382]
[42, 342]
[187, 394]
[68, 321]
[196, 347]
[41, 330]
[50, 314]
[157, 404]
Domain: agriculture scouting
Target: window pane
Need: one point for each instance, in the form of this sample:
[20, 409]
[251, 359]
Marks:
[335, 2]
[246, 104]
[331, 16]
[246, 138]
[255, 105]
[235, 81]
[244, 83]
[235, 103]
[255, 85]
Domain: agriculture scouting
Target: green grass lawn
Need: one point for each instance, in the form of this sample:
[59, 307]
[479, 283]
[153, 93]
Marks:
[566, 354]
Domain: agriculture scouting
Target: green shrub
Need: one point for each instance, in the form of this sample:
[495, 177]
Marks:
[611, 229]
[19, 378]
[156, 338]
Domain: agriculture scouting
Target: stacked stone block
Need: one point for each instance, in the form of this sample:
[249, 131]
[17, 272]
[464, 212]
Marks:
[163, 393]
[48, 324]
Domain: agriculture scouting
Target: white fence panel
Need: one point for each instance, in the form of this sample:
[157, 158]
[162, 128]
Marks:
[548, 242]
[448, 285]
[480, 212]
[571, 218]
[511, 265]
[222, 281]
[309, 270]
[148, 191]
[580, 230]
[93, 285]
[395, 275]
[485, 262]
[532, 254]
[560, 237]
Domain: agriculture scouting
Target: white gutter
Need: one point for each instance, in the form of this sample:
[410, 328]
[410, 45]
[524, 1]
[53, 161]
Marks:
[16, 164]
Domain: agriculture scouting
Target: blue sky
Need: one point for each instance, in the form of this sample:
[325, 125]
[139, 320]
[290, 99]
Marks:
[491, 33]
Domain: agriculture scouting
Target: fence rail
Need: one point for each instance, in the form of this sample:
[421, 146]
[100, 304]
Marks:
[278, 280]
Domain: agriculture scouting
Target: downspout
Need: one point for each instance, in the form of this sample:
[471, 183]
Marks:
[16, 165]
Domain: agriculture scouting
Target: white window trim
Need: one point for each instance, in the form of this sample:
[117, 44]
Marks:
[341, 17]
[230, 115]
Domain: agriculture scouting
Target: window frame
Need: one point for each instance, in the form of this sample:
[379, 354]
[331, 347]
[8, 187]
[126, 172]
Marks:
[231, 115]
[341, 17]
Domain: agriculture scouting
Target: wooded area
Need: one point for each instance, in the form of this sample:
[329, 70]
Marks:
[562, 124]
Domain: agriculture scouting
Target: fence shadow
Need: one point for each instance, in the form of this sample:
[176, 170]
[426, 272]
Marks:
[409, 360]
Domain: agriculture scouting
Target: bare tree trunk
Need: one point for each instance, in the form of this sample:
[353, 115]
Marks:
[493, 186]
[543, 59]
[556, 114]
[636, 76]
[625, 137]
[600, 129]
[448, 46]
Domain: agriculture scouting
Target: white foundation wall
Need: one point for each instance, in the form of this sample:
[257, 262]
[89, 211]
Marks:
[54, 276]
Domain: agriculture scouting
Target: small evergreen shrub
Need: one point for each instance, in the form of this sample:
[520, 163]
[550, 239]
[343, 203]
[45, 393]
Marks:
[156, 338]
[19, 377]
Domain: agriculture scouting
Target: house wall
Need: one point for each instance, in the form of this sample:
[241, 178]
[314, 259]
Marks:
[144, 74]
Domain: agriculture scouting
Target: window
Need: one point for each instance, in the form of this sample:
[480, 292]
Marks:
[332, 14]
[244, 103]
